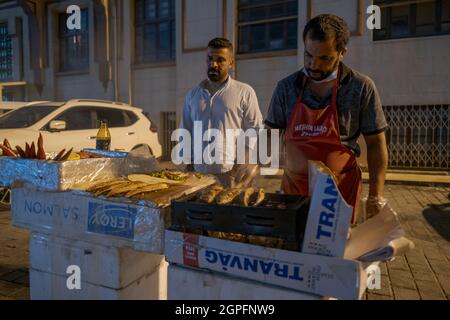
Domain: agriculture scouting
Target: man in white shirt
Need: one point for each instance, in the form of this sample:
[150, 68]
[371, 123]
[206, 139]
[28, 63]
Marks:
[220, 102]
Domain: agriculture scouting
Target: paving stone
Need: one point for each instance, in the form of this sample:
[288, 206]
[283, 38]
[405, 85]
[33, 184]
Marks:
[422, 272]
[402, 279]
[12, 276]
[440, 266]
[21, 294]
[9, 288]
[430, 290]
[434, 254]
[373, 296]
[364, 296]
[5, 270]
[24, 280]
[416, 256]
[385, 289]
[383, 269]
[399, 263]
[425, 268]
[405, 294]
[444, 281]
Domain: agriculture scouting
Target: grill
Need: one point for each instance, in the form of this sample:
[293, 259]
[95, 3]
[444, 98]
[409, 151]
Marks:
[278, 216]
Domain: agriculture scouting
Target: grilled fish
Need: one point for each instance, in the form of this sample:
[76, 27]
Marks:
[102, 184]
[126, 188]
[106, 189]
[260, 197]
[208, 195]
[148, 188]
[245, 196]
[227, 196]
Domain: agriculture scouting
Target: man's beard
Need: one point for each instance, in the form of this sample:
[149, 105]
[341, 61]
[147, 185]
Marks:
[323, 75]
[214, 75]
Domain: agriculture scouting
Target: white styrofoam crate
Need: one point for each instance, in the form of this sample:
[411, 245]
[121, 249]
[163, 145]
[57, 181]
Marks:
[99, 265]
[75, 215]
[194, 284]
[47, 286]
[62, 175]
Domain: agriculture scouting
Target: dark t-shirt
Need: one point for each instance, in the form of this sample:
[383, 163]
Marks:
[358, 103]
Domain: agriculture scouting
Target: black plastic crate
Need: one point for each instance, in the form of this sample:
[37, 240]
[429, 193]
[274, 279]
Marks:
[278, 216]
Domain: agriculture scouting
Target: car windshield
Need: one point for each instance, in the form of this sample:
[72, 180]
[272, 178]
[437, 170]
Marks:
[25, 117]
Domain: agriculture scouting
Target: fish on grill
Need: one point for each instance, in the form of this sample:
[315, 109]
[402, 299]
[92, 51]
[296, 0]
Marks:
[227, 196]
[245, 196]
[208, 195]
[260, 197]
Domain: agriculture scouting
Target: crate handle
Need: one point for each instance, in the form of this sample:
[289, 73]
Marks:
[253, 222]
[199, 215]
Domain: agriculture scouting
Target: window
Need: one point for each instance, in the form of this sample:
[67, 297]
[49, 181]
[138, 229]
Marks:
[5, 53]
[78, 118]
[25, 117]
[73, 44]
[267, 25]
[130, 118]
[155, 31]
[417, 18]
[113, 117]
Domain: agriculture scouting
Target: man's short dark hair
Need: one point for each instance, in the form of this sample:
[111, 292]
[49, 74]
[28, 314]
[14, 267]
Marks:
[220, 43]
[328, 26]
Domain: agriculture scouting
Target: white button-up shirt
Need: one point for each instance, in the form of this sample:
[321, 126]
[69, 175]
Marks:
[233, 106]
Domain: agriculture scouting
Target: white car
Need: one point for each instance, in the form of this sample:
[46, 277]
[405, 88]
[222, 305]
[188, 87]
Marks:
[75, 124]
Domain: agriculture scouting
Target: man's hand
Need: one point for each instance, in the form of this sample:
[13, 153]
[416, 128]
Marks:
[244, 173]
[377, 160]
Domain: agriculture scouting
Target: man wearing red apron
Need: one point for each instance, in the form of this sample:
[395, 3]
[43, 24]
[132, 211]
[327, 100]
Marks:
[323, 109]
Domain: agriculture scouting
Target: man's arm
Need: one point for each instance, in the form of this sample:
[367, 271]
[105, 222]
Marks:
[373, 126]
[377, 160]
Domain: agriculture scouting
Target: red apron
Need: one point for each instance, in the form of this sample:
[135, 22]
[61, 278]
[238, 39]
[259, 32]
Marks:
[313, 134]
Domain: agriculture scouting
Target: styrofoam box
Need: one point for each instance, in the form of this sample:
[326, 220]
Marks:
[99, 265]
[114, 222]
[194, 284]
[47, 286]
[62, 175]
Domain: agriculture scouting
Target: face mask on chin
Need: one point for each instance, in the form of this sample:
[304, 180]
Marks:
[331, 77]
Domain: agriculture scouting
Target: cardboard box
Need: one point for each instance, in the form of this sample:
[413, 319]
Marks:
[76, 215]
[329, 216]
[47, 286]
[319, 275]
[105, 266]
[378, 239]
[194, 284]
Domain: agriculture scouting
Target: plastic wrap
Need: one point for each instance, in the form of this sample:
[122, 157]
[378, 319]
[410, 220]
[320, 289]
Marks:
[54, 175]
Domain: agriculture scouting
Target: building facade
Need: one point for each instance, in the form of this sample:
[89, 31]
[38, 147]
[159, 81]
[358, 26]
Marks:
[149, 53]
